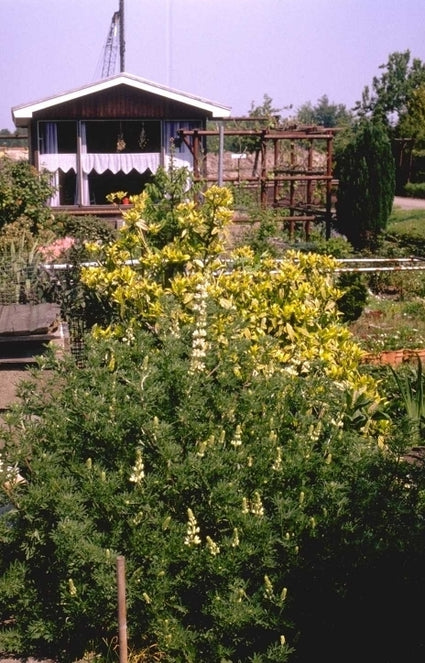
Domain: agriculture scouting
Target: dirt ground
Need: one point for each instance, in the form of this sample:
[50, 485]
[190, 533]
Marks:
[9, 380]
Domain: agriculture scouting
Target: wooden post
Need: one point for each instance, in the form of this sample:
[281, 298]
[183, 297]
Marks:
[122, 616]
[196, 149]
[309, 197]
[328, 214]
[220, 153]
[275, 164]
[263, 176]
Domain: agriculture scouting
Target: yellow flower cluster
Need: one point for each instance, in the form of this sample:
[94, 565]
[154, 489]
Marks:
[285, 311]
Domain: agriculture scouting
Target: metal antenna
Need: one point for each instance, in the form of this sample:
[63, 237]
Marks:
[110, 50]
[122, 38]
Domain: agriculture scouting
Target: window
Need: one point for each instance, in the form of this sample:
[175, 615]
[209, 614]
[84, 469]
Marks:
[58, 137]
[104, 136]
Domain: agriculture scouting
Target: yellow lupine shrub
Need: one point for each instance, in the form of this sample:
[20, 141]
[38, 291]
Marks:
[286, 309]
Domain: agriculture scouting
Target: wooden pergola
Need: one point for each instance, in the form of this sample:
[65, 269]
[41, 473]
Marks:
[278, 185]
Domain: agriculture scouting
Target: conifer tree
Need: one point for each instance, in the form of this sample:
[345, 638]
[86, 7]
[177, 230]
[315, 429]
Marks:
[366, 173]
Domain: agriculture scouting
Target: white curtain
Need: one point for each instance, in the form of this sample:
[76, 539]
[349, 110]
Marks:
[50, 138]
[182, 154]
[120, 162]
[85, 192]
[49, 150]
[52, 162]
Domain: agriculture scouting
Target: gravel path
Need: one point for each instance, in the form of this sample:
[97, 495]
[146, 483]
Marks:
[409, 203]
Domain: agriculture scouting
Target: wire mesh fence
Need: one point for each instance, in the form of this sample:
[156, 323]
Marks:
[77, 329]
[19, 283]
[24, 283]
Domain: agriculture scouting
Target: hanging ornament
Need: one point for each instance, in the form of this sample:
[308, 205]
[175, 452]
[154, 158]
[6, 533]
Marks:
[143, 139]
[121, 144]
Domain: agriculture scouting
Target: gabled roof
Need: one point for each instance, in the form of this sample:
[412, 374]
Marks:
[21, 114]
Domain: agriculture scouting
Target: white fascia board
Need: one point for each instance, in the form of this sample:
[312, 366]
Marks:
[25, 112]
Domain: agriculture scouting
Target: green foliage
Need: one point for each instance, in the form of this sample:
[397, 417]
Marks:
[404, 234]
[412, 121]
[353, 287]
[265, 115]
[336, 246]
[324, 113]
[266, 230]
[392, 91]
[281, 489]
[410, 384]
[365, 170]
[87, 228]
[354, 297]
[21, 281]
[415, 189]
[221, 436]
[23, 195]
[293, 301]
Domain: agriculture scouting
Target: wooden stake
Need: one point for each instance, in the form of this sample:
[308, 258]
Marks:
[122, 613]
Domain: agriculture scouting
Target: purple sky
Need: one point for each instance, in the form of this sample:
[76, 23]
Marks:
[229, 51]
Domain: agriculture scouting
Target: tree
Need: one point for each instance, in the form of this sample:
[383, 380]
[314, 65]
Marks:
[324, 113]
[412, 120]
[267, 116]
[391, 92]
[366, 182]
[395, 99]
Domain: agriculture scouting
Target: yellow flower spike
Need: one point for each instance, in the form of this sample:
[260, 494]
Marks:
[212, 547]
[201, 449]
[235, 538]
[257, 506]
[166, 523]
[72, 588]
[192, 530]
[268, 591]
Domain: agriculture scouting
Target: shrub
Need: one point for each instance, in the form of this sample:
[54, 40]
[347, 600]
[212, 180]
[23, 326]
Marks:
[221, 436]
[366, 173]
[354, 297]
[23, 195]
[83, 228]
[153, 264]
[415, 190]
[294, 507]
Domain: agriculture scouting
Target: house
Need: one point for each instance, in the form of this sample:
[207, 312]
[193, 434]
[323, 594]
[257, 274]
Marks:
[110, 136]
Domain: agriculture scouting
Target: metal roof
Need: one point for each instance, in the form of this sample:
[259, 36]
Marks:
[23, 113]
